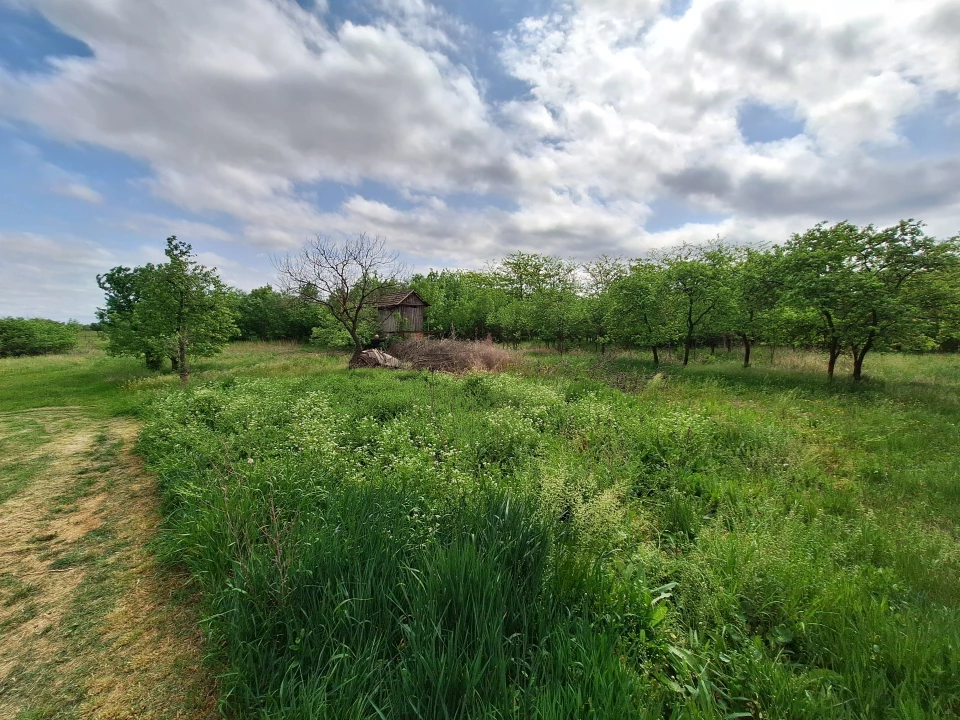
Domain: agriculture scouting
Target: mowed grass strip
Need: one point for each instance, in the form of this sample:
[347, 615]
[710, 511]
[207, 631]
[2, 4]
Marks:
[90, 627]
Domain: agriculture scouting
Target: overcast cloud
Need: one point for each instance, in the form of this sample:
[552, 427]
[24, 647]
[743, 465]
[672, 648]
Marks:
[592, 118]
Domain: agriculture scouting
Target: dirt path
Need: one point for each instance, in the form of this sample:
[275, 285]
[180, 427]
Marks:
[90, 626]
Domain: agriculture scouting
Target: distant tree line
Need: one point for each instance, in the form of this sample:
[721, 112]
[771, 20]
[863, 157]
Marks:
[841, 288]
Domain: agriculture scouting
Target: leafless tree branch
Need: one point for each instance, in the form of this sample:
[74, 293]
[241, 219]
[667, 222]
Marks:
[346, 277]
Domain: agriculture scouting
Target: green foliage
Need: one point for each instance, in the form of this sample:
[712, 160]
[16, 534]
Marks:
[856, 280]
[639, 311]
[839, 288]
[698, 282]
[329, 333]
[178, 310]
[361, 567]
[19, 336]
[459, 299]
[416, 545]
[265, 314]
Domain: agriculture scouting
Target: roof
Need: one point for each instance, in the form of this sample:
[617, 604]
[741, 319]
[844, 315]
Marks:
[399, 298]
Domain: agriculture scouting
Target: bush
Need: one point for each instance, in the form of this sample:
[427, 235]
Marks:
[452, 355]
[19, 336]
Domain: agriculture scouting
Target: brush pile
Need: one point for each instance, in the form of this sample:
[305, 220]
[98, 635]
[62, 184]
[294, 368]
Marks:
[453, 356]
[375, 359]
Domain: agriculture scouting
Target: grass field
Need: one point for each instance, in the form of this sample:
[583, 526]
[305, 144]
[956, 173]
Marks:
[581, 537]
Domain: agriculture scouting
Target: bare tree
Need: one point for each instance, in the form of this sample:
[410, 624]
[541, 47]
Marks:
[346, 277]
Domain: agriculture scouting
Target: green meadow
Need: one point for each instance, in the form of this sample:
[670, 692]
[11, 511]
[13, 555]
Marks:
[582, 536]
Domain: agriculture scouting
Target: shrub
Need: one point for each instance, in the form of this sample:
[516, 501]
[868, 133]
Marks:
[19, 336]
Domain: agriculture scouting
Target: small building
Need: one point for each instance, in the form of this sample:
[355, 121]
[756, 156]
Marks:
[401, 313]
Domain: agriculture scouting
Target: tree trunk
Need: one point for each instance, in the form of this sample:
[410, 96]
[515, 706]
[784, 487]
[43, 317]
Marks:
[174, 363]
[656, 355]
[746, 350]
[713, 347]
[727, 344]
[858, 366]
[858, 355]
[357, 346]
[834, 354]
[686, 352]
[182, 358]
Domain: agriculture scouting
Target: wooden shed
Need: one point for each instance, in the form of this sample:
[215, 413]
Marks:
[401, 313]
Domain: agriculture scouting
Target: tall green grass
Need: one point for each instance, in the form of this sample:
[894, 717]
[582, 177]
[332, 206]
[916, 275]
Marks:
[715, 544]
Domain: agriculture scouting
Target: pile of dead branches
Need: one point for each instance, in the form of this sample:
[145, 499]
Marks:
[452, 355]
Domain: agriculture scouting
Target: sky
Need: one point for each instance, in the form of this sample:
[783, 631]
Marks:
[459, 130]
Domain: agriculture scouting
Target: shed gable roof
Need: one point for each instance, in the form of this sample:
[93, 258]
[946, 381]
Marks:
[403, 297]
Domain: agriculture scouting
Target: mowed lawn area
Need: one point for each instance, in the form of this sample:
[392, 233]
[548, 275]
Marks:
[582, 536]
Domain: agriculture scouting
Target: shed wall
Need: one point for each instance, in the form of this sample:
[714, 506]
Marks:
[412, 318]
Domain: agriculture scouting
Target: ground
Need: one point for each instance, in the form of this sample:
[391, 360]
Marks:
[90, 626]
[810, 529]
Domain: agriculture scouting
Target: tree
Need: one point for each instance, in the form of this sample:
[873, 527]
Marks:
[548, 289]
[179, 309]
[698, 280]
[602, 274]
[265, 314]
[346, 278]
[638, 309]
[934, 299]
[463, 299]
[756, 284]
[122, 286]
[856, 279]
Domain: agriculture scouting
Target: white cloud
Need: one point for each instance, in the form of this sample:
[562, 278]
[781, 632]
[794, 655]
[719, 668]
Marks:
[55, 277]
[641, 105]
[239, 106]
[189, 230]
[234, 102]
[80, 192]
[44, 277]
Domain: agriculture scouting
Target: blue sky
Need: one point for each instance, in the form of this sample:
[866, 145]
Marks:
[459, 131]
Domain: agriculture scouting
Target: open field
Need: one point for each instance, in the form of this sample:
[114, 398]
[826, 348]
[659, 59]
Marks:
[580, 537]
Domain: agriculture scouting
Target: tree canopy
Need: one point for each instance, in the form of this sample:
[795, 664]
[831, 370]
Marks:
[177, 310]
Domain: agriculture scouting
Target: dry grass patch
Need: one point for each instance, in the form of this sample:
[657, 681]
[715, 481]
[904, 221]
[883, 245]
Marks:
[453, 355]
[90, 626]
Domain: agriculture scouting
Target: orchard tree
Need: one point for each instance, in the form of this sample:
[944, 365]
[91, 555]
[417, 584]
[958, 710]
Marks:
[934, 299]
[639, 311]
[345, 277]
[548, 289]
[601, 276]
[178, 309]
[697, 278]
[756, 284]
[459, 299]
[856, 279]
[125, 335]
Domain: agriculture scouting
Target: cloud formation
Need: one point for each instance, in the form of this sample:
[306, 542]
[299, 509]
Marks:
[80, 192]
[244, 108]
[43, 277]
